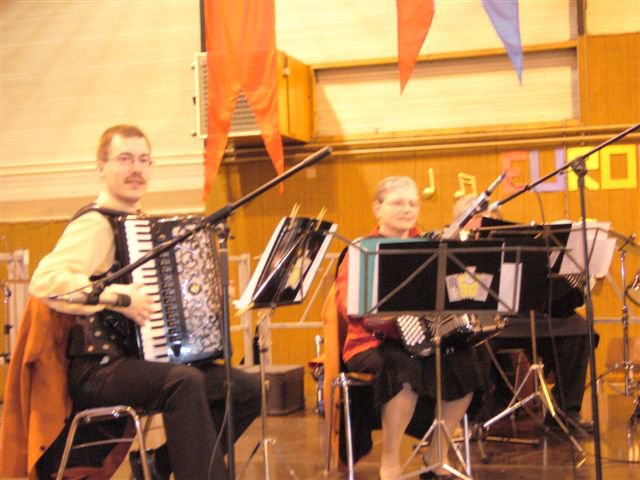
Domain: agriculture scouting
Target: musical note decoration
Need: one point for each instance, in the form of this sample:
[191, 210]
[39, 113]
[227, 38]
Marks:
[430, 190]
[465, 180]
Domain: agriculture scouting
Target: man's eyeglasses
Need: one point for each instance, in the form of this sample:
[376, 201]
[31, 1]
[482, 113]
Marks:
[127, 160]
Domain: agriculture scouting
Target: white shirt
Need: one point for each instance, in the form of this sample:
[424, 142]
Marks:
[86, 248]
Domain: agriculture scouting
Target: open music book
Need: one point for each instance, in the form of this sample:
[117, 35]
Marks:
[288, 264]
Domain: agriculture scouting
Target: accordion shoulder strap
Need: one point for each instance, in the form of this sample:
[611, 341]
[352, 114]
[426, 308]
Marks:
[115, 218]
[107, 212]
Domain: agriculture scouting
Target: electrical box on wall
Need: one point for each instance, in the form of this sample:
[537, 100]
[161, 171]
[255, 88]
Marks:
[295, 104]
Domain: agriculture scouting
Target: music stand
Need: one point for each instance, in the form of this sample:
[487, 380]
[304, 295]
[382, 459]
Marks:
[431, 278]
[578, 165]
[562, 261]
[283, 276]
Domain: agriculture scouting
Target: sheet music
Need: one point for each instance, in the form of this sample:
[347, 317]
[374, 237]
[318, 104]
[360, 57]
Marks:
[295, 251]
[245, 299]
[510, 284]
[600, 248]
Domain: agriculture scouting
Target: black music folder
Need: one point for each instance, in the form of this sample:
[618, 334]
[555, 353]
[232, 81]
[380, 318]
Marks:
[289, 263]
[393, 269]
[554, 236]
[543, 252]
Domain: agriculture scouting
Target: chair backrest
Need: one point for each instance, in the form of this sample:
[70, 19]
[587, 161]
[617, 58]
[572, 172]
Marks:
[37, 406]
[335, 331]
[334, 337]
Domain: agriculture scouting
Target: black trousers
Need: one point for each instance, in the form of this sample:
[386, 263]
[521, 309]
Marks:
[570, 369]
[191, 399]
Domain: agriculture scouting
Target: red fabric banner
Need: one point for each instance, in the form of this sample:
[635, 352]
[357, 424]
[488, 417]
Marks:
[241, 55]
[414, 20]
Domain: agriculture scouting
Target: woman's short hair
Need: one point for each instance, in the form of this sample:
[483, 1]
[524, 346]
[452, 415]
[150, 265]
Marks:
[463, 203]
[391, 183]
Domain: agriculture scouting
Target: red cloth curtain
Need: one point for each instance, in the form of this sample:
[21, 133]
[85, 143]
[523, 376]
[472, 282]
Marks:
[414, 20]
[241, 55]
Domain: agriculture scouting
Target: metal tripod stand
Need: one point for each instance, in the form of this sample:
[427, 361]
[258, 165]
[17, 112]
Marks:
[439, 431]
[542, 393]
[631, 386]
[265, 441]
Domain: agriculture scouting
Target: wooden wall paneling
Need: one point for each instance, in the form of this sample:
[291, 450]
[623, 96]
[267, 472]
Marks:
[346, 184]
[36, 237]
[609, 79]
[349, 183]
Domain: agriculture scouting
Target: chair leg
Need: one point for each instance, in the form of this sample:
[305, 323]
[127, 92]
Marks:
[331, 412]
[347, 421]
[146, 422]
[341, 383]
[104, 414]
[141, 442]
[467, 446]
[67, 446]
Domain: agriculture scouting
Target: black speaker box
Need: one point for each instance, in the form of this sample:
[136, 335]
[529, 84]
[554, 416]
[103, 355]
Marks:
[285, 387]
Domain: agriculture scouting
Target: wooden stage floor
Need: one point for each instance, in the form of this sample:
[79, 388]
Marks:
[297, 450]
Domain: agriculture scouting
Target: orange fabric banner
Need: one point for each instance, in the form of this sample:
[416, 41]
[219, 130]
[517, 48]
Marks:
[414, 20]
[241, 55]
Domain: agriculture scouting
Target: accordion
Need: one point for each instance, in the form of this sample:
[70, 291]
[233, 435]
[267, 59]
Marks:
[184, 283]
[456, 332]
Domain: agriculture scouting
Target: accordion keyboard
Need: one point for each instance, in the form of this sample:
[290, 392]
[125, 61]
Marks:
[152, 334]
[418, 333]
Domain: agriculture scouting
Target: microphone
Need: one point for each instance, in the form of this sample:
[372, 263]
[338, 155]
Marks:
[474, 208]
[494, 185]
[81, 298]
[493, 206]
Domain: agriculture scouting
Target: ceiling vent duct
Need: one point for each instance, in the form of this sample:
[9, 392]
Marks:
[295, 104]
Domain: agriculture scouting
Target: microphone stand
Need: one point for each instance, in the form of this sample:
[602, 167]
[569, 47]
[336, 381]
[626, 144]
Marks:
[578, 165]
[294, 250]
[217, 217]
[477, 206]
[5, 355]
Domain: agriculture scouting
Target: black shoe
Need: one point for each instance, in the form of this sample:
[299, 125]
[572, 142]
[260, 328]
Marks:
[435, 476]
[573, 421]
[157, 460]
[635, 416]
